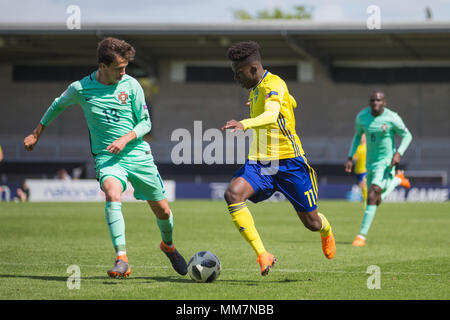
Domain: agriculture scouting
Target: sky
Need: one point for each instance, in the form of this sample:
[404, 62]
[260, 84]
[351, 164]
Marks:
[203, 11]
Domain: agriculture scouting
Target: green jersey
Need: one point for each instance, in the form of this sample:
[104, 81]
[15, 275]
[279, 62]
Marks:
[110, 111]
[380, 132]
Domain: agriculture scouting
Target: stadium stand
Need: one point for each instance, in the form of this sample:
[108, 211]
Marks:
[331, 70]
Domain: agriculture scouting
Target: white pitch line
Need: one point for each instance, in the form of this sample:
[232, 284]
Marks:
[276, 270]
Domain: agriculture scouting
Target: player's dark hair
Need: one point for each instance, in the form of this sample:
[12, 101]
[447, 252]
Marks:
[111, 47]
[248, 50]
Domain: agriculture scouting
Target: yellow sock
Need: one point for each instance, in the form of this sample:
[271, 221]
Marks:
[243, 220]
[364, 193]
[325, 231]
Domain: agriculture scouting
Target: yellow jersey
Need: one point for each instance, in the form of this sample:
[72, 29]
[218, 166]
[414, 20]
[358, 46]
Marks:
[272, 120]
[360, 156]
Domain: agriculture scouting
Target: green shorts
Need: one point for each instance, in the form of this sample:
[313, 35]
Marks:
[140, 170]
[380, 174]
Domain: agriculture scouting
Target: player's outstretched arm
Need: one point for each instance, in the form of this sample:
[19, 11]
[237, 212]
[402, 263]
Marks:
[348, 165]
[233, 124]
[31, 140]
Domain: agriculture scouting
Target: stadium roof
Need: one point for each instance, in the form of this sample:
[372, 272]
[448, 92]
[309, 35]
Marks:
[329, 44]
[237, 27]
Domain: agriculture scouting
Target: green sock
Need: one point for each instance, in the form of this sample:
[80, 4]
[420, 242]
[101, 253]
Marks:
[116, 224]
[166, 229]
[369, 214]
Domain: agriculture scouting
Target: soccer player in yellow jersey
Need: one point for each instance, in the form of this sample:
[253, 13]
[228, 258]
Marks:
[360, 166]
[276, 161]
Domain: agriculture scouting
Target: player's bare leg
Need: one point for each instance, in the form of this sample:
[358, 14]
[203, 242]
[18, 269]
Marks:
[374, 196]
[164, 219]
[316, 221]
[161, 209]
[112, 189]
[239, 190]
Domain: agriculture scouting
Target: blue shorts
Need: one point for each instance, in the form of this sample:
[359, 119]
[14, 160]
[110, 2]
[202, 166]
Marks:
[292, 177]
[360, 177]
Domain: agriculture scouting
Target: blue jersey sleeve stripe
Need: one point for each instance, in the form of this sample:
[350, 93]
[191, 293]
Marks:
[282, 124]
[297, 150]
[271, 93]
[283, 130]
[292, 138]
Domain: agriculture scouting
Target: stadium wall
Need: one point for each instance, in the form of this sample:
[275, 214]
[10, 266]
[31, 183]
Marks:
[325, 117]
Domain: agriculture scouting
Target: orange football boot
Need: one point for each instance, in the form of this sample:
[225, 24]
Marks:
[266, 261]
[359, 241]
[404, 182]
[329, 246]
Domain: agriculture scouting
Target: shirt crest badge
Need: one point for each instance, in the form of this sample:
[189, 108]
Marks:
[123, 96]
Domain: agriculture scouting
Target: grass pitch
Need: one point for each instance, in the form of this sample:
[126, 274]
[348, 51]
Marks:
[408, 242]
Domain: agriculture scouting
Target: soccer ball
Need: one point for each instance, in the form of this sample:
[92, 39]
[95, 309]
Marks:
[204, 266]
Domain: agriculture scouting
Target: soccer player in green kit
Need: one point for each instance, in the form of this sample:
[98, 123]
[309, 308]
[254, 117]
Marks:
[117, 117]
[380, 125]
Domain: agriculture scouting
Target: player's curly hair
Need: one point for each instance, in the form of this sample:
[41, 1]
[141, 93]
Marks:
[110, 47]
[244, 50]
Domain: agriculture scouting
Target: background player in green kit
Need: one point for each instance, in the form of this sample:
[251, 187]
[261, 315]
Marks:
[117, 117]
[380, 126]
